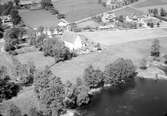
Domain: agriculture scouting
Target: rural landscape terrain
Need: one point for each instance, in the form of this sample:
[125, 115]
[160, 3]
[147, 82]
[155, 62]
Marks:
[56, 56]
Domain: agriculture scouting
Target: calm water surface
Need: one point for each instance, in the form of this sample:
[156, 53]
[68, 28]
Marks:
[146, 98]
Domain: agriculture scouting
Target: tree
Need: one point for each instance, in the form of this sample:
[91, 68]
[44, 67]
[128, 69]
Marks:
[13, 110]
[76, 95]
[119, 72]
[121, 18]
[50, 91]
[155, 48]
[17, 2]
[82, 95]
[162, 12]
[13, 38]
[25, 73]
[16, 19]
[46, 4]
[93, 78]
[34, 112]
[7, 89]
[56, 48]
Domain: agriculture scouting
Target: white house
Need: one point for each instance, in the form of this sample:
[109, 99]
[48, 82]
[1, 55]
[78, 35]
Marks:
[72, 40]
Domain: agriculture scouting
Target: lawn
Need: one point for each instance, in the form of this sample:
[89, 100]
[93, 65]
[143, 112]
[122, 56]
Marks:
[36, 18]
[78, 9]
[149, 3]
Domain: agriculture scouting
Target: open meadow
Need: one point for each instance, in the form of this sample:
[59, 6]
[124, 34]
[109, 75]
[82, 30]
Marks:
[36, 18]
[78, 9]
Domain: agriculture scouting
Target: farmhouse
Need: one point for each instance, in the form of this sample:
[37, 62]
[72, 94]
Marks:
[72, 40]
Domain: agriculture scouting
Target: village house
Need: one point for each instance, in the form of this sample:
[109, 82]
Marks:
[108, 17]
[72, 40]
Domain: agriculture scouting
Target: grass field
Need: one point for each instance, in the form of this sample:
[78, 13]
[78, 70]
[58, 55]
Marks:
[123, 36]
[79, 9]
[69, 70]
[149, 3]
[36, 18]
[39, 60]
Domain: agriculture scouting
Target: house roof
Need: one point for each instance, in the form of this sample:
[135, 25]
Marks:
[69, 36]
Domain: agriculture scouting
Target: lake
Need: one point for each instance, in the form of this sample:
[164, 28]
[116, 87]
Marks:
[145, 98]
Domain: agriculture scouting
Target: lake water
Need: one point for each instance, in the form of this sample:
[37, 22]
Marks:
[145, 98]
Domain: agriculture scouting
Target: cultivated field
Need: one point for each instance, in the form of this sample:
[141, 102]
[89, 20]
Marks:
[79, 9]
[36, 18]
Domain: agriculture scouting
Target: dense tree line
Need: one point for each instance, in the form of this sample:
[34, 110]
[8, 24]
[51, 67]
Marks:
[56, 96]
[158, 12]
